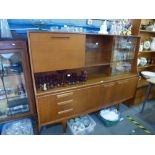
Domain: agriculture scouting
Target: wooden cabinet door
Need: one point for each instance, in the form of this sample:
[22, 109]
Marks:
[108, 91]
[86, 99]
[93, 97]
[47, 109]
[80, 100]
[56, 51]
[125, 89]
[115, 92]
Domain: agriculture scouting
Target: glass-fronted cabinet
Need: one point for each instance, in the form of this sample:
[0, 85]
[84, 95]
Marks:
[123, 54]
[16, 95]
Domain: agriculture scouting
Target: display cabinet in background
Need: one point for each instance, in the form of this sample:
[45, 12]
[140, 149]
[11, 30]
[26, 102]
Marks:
[16, 93]
[145, 28]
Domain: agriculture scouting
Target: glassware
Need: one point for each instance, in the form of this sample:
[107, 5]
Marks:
[54, 28]
[123, 54]
[5, 30]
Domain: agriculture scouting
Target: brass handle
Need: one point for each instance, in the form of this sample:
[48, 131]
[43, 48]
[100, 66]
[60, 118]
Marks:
[64, 95]
[60, 37]
[65, 111]
[64, 102]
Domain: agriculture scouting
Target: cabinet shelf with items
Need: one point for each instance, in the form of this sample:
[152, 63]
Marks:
[16, 93]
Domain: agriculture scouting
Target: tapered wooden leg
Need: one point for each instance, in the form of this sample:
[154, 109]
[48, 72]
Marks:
[64, 123]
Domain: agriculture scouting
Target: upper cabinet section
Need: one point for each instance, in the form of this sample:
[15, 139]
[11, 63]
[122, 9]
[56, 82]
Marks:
[56, 51]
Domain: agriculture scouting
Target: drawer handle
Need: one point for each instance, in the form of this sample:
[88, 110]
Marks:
[108, 85]
[60, 37]
[65, 111]
[64, 102]
[64, 95]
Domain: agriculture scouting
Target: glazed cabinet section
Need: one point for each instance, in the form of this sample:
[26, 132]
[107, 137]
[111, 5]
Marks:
[119, 91]
[49, 49]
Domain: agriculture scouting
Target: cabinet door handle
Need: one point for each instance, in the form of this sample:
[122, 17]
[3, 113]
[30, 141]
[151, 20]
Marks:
[60, 37]
[65, 111]
[64, 95]
[108, 85]
[64, 102]
[124, 81]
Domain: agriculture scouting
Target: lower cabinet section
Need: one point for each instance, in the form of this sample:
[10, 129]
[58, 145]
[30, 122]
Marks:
[115, 92]
[53, 107]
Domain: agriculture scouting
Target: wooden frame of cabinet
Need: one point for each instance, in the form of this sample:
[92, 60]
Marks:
[14, 46]
[94, 54]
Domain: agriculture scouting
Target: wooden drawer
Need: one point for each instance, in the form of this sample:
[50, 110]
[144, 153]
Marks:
[64, 105]
[64, 96]
[50, 109]
[56, 51]
[65, 113]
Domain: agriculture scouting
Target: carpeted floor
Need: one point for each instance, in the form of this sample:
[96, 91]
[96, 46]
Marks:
[124, 127]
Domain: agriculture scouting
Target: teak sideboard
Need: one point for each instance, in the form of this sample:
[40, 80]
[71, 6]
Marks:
[109, 60]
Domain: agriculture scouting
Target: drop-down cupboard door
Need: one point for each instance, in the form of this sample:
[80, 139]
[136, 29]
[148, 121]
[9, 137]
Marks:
[56, 51]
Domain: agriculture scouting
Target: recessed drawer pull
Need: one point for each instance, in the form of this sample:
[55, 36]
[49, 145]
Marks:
[64, 95]
[108, 85]
[64, 102]
[121, 82]
[60, 37]
[65, 111]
